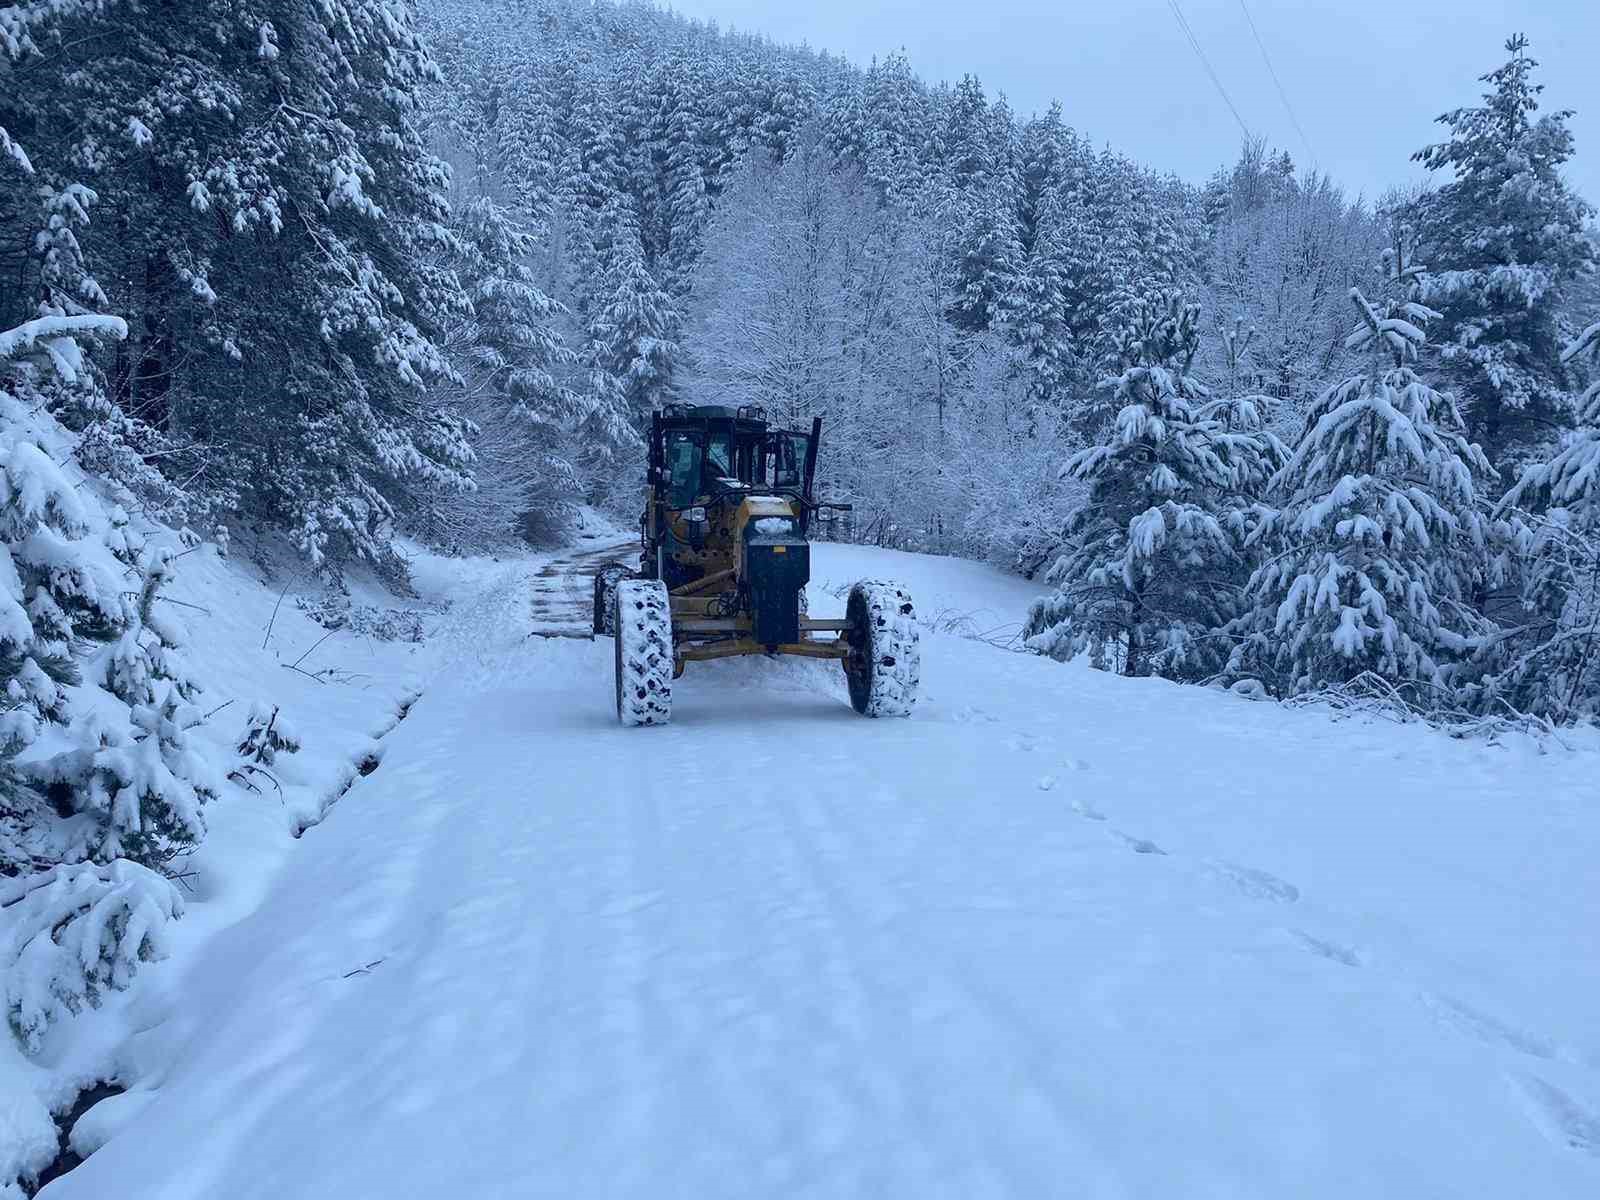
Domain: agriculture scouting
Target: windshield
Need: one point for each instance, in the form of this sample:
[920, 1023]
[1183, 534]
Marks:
[683, 466]
[697, 463]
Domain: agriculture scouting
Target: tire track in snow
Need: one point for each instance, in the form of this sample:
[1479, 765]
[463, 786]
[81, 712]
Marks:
[951, 990]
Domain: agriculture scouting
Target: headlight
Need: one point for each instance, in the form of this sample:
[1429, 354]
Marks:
[696, 515]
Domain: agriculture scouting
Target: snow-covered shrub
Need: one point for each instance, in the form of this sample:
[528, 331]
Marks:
[74, 932]
[338, 611]
[266, 735]
[143, 786]
[1144, 582]
[1379, 542]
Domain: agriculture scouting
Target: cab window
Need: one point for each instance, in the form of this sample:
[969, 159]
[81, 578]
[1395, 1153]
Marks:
[719, 459]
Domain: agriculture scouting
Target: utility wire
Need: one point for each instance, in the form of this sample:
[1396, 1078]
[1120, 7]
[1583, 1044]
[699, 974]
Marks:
[1276, 82]
[1206, 63]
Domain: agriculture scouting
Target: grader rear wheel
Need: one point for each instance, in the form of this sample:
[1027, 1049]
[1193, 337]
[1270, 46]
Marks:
[884, 667]
[605, 586]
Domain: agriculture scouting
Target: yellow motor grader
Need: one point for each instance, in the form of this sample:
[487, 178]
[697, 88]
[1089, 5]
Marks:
[723, 565]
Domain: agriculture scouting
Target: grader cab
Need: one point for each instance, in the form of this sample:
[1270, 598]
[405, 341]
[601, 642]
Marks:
[723, 565]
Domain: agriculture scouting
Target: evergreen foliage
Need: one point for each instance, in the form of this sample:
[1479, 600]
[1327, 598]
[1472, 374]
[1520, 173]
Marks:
[1550, 662]
[1378, 542]
[1506, 239]
[1144, 582]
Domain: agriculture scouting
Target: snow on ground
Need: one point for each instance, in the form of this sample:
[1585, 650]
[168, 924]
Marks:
[1057, 934]
[349, 690]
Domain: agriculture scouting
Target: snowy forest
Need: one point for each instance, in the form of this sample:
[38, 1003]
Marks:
[345, 275]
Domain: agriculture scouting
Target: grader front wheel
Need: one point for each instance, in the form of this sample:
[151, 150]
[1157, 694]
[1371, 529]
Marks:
[884, 666]
[642, 619]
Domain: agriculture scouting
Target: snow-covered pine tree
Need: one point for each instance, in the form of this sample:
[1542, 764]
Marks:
[1034, 310]
[1378, 540]
[1505, 238]
[276, 247]
[1143, 585]
[71, 929]
[632, 347]
[52, 593]
[1551, 664]
[142, 787]
[1283, 256]
[514, 368]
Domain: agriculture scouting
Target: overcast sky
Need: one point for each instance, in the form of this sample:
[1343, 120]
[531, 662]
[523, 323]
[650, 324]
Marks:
[1365, 78]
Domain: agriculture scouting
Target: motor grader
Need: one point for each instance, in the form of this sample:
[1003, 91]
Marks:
[723, 566]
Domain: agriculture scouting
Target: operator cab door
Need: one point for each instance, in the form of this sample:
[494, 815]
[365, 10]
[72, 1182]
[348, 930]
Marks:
[791, 461]
[787, 453]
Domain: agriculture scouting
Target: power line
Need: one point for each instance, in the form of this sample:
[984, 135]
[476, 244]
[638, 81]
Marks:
[1276, 82]
[1206, 63]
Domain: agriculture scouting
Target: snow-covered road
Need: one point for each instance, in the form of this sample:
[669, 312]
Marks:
[1059, 934]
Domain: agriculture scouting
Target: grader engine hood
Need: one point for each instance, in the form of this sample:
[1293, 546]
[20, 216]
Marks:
[775, 562]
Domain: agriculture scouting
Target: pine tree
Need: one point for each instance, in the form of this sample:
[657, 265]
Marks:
[632, 327]
[276, 247]
[1505, 237]
[1550, 665]
[515, 390]
[1378, 541]
[1142, 585]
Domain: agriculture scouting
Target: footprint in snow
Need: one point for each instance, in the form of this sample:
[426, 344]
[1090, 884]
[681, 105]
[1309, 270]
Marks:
[1047, 782]
[624, 906]
[1470, 1022]
[973, 716]
[1086, 810]
[1257, 884]
[1022, 741]
[1331, 951]
[1138, 845]
[1560, 1117]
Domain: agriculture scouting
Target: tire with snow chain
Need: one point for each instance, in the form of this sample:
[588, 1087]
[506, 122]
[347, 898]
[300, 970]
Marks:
[884, 667]
[642, 619]
[605, 586]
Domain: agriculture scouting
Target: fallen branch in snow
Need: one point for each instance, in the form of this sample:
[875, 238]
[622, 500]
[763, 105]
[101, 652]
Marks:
[1369, 694]
[302, 671]
[1007, 636]
[242, 773]
[179, 603]
[273, 620]
[296, 663]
